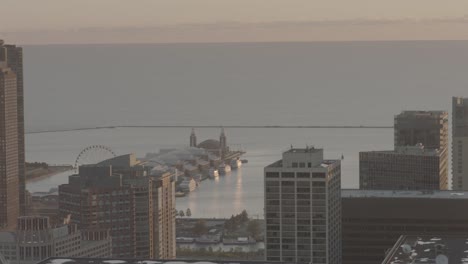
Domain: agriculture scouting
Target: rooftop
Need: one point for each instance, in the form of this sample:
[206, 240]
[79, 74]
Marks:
[429, 249]
[143, 261]
[416, 113]
[356, 193]
[417, 150]
[304, 150]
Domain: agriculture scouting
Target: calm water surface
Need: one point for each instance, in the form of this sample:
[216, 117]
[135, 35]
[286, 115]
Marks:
[351, 83]
[242, 189]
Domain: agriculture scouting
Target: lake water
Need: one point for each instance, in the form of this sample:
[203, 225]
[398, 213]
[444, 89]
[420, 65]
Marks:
[242, 189]
[353, 83]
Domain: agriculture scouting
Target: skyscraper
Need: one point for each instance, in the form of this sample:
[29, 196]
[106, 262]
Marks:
[429, 128]
[13, 57]
[303, 208]
[9, 174]
[459, 143]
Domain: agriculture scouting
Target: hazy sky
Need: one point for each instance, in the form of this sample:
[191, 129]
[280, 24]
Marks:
[65, 15]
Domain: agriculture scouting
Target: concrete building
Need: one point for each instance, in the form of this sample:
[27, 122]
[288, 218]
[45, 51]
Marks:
[9, 147]
[373, 220]
[406, 168]
[13, 57]
[121, 195]
[35, 239]
[459, 143]
[303, 208]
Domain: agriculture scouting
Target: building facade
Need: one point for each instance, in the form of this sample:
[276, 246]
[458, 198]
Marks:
[429, 128]
[35, 240]
[13, 56]
[406, 168]
[303, 208]
[121, 195]
[459, 143]
[373, 220]
[9, 163]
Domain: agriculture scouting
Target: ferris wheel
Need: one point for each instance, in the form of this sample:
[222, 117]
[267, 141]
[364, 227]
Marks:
[93, 154]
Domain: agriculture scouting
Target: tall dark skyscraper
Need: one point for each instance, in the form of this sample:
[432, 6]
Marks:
[459, 143]
[13, 58]
[9, 174]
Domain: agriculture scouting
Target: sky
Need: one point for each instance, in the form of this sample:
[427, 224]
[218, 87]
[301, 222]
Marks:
[25, 20]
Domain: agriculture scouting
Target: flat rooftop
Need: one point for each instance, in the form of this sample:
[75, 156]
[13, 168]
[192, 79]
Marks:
[356, 193]
[416, 113]
[323, 164]
[429, 249]
[148, 261]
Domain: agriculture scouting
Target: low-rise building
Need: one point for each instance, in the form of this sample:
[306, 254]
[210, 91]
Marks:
[35, 239]
[405, 168]
[429, 250]
[374, 219]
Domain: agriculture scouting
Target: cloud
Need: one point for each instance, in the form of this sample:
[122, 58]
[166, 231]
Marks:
[231, 31]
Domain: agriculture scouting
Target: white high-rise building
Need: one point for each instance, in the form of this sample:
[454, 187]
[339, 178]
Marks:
[303, 208]
[459, 143]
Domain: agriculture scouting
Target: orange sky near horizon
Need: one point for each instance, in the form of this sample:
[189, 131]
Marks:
[57, 21]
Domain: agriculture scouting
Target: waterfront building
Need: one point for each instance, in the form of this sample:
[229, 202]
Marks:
[406, 168]
[121, 194]
[303, 208]
[13, 58]
[35, 239]
[9, 147]
[373, 220]
[459, 143]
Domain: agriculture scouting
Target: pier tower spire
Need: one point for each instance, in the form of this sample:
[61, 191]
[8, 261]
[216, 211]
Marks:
[193, 138]
[222, 142]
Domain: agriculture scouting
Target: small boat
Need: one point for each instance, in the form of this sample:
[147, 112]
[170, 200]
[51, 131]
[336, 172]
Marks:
[179, 194]
[245, 161]
[188, 185]
[213, 173]
[235, 164]
[224, 169]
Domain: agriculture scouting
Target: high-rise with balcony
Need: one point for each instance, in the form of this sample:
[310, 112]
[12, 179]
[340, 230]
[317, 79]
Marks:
[121, 195]
[429, 128]
[303, 208]
[459, 143]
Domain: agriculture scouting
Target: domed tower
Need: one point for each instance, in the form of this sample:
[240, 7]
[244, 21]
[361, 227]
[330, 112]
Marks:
[193, 139]
[222, 142]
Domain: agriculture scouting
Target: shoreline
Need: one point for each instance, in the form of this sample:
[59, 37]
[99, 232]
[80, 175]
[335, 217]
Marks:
[38, 174]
